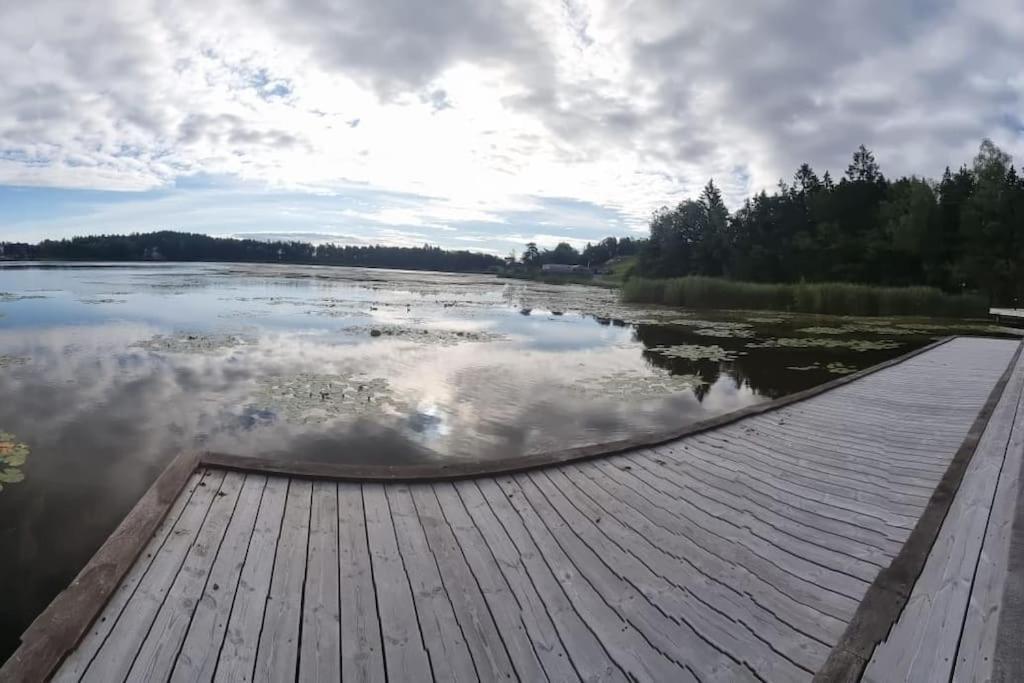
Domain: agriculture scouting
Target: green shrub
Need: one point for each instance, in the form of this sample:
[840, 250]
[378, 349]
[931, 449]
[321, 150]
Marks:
[835, 298]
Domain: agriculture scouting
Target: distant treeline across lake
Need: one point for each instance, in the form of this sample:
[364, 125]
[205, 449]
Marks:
[179, 246]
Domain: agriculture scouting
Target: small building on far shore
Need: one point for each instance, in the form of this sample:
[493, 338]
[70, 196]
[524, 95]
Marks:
[564, 269]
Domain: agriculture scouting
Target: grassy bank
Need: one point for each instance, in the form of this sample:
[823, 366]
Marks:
[834, 298]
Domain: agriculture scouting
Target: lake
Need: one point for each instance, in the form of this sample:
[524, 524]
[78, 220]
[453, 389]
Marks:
[109, 370]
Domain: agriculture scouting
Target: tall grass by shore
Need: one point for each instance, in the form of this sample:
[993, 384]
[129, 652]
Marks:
[835, 298]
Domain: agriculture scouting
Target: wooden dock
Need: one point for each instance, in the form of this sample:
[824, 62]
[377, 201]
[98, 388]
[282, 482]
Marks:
[872, 528]
[1013, 315]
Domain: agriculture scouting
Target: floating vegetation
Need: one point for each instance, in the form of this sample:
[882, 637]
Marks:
[100, 300]
[309, 398]
[708, 328]
[836, 368]
[765, 320]
[12, 458]
[191, 343]
[635, 386]
[423, 335]
[822, 330]
[9, 297]
[711, 352]
[8, 361]
[825, 343]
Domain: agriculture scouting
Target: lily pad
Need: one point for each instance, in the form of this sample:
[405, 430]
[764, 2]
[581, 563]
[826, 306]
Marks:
[12, 458]
[8, 361]
[424, 335]
[309, 398]
[695, 352]
[825, 343]
[636, 386]
[191, 343]
[9, 297]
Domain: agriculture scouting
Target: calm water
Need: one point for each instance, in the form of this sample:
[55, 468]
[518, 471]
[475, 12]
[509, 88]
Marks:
[108, 371]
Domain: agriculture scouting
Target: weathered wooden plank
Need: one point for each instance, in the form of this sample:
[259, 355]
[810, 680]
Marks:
[783, 526]
[470, 514]
[710, 640]
[747, 454]
[79, 658]
[404, 650]
[976, 652]
[114, 657]
[880, 474]
[815, 516]
[673, 561]
[823, 589]
[277, 655]
[782, 484]
[159, 650]
[443, 635]
[588, 652]
[922, 645]
[508, 613]
[801, 612]
[201, 649]
[627, 642]
[490, 655]
[807, 544]
[320, 649]
[362, 654]
[242, 635]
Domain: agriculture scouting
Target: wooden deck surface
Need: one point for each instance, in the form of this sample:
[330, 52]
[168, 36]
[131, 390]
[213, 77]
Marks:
[741, 553]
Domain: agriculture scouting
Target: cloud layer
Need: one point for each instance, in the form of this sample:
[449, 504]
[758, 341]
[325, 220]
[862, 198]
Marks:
[478, 112]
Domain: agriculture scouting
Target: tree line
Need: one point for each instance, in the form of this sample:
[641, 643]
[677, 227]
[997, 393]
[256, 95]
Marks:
[180, 246]
[964, 232]
[591, 255]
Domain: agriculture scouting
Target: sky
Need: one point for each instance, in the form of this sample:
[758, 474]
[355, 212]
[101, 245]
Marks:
[469, 124]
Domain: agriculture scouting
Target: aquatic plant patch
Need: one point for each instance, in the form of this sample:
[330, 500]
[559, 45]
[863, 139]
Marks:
[13, 455]
[10, 297]
[310, 398]
[636, 386]
[710, 352]
[825, 343]
[424, 335]
[191, 343]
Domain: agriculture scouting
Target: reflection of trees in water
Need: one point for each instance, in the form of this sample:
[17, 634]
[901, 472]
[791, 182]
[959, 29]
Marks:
[765, 371]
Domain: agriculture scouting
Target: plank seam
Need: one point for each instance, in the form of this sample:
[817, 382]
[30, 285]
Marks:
[988, 520]
[170, 585]
[476, 581]
[164, 598]
[412, 590]
[373, 579]
[440, 579]
[305, 578]
[209, 573]
[270, 584]
[512, 592]
[683, 665]
[554, 576]
[234, 594]
[888, 594]
[721, 559]
[641, 461]
[654, 572]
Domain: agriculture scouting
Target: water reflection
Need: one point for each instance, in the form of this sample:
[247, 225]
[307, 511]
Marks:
[107, 372]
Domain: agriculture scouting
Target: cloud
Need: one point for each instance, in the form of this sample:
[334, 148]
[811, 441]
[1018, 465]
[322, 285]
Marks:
[484, 117]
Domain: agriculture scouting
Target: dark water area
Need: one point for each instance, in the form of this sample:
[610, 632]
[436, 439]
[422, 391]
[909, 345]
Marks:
[107, 371]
